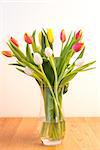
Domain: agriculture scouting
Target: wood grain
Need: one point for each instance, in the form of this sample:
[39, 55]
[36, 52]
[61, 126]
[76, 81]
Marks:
[23, 134]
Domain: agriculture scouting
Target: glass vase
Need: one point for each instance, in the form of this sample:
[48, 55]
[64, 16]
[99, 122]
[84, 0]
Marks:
[53, 127]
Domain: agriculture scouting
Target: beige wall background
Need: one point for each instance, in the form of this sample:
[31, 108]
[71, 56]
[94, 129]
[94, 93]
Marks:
[20, 95]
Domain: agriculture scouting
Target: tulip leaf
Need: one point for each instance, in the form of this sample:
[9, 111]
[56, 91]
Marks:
[73, 64]
[34, 41]
[81, 54]
[69, 37]
[65, 88]
[51, 46]
[43, 42]
[21, 59]
[20, 70]
[64, 64]
[18, 50]
[15, 64]
[83, 67]
[67, 79]
[72, 74]
[29, 54]
[64, 54]
[88, 69]
[14, 52]
[21, 63]
[48, 71]
[68, 47]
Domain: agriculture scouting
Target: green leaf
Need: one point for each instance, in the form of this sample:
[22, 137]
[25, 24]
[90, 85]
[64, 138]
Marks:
[65, 88]
[81, 54]
[43, 42]
[15, 64]
[17, 50]
[88, 69]
[51, 46]
[72, 74]
[29, 54]
[83, 67]
[71, 67]
[64, 64]
[67, 47]
[34, 41]
[21, 63]
[26, 63]
[20, 70]
[64, 54]
[67, 79]
[68, 40]
[16, 54]
[48, 71]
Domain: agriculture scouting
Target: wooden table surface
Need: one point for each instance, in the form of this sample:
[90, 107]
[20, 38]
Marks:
[22, 134]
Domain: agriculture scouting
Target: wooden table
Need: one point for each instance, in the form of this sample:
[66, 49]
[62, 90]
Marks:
[22, 134]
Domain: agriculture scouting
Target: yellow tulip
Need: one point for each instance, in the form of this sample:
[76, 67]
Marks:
[50, 35]
[40, 37]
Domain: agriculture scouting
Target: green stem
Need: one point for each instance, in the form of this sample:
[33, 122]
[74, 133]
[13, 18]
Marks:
[56, 106]
[56, 83]
[61, 48]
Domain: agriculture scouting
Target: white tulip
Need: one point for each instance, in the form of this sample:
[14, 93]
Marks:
[79, 62]
[28, 71]
[38, 59]
[48, 52]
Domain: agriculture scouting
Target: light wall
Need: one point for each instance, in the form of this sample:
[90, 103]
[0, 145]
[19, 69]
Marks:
[20, 94]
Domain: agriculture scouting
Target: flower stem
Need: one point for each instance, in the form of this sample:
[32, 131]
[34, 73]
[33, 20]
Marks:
[56, 106]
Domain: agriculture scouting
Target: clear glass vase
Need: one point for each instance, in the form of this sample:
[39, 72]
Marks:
[53, 127]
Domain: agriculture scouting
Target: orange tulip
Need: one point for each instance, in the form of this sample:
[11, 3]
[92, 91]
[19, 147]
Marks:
[78, 35]
[77, 47]
[14, 41]
[7, 53]
[28, 39]
[62, 36]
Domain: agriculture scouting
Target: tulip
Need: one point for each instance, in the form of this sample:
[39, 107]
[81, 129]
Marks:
[40, 37]
[77, 47]
[14, 41]
[50, 36]
[62, 36]
[38, 59]
[28, 71]
[78, 35]
[7, 53]
[79, 62]
[48, 52]
[28, 38]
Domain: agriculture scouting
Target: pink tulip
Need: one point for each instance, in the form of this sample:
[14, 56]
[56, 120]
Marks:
[28, 39]
[62, 36]
[78, 35]
[77, 47]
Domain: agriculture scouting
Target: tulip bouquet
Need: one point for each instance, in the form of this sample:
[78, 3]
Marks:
[53, 74]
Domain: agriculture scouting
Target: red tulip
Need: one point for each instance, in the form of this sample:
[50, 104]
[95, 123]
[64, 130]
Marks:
[78, 35]
[62, 36]
[7, 53]
[77, 47]
[28, 39]
[14, 42]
